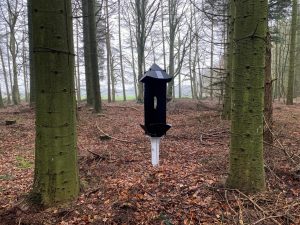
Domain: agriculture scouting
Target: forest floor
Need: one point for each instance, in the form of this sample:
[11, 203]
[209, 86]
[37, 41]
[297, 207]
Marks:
[120, 186]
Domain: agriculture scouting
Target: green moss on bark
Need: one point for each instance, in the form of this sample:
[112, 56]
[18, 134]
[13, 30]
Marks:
[56, 171]
[246, 171]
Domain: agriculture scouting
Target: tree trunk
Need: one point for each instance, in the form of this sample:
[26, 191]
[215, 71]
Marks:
[9, 64]
[87, 54]
[276, 91]
[140, 7]
[31, 63]
[246, 170]
[24, 69]
[268, 100]
[1, 99]
[5, 77]
[179, 74]
[228, 80]
[108, 56]
[291, 77]
[133, 61]
[297, 68]
[121, 53]
[12, 48]
[211, 59]
[56, 171]
[94, 56]
[163, 32]
[173, 24]
[112, 75]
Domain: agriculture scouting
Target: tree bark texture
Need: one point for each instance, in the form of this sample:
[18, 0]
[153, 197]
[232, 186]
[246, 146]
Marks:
[94, 56]
[87, 54]
[268, 100]
[246, 170]
[56, 170]
[291, 77]
[140, 7]
[228, 80]
[32, 93]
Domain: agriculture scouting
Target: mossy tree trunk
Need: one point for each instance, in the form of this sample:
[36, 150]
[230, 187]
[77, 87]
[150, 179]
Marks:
[291, 77]
[56, 170]
[226, 114]
[246, 170]
[31, 63]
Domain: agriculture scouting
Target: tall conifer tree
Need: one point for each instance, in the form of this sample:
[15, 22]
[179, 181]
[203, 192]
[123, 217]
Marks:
[56, 171]
[246, 170]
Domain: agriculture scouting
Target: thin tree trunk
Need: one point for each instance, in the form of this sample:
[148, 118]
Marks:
[163, 32]
[226, 114]
[25, 70]
[5, 78]
[153, 49]
[276, 92]
[297, 69]
[133, 62]
[87, 54]
[108, 56]
[140, 39]
[179, 74]
[13, 52]
[190, 65]
[31, 63]
[268, 101]
[9, 63]
[291, 77]
[211, 58]
[172, 27]
[112, 75]
[200, 78]
[121, 52]
[94, 56]
[1, 99]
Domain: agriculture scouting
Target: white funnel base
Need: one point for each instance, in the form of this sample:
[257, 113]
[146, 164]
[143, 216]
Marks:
[155, 150]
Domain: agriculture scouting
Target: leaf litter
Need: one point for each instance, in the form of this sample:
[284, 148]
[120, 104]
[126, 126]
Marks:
[120, 186]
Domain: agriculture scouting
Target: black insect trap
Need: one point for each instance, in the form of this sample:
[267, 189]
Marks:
[155, 100]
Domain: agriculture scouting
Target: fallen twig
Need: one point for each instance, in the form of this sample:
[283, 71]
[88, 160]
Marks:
[118, 139]
[266, 218]
[97, 155]
[281, 146]
[257, 206]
